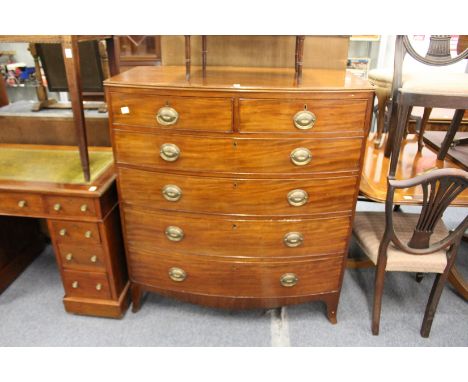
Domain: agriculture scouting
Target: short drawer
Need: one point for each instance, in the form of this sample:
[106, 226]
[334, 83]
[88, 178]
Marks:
[76, 256]
[306, 116]
[86, 284]
[153, 190]
[174, 233]
[170, 112]
[235, 278]
[19, 203]
[70, 231]
[237, 155]
[70, 206]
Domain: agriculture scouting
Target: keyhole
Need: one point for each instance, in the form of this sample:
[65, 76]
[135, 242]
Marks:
[305, 107]
[234, 226]
[234, 144]
[235, 185]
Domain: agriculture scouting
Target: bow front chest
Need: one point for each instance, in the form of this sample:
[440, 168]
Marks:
[238, 188]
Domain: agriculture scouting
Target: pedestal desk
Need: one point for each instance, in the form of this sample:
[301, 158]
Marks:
[82, 217]
[238, 187]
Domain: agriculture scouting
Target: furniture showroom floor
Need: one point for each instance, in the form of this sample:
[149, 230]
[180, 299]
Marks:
[32, 314]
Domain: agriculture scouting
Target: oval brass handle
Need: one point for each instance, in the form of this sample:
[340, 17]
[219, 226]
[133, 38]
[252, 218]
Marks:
[69, 256]
[84, 208]
[75, 284]
[297, 197]
[88, 234]
[167, 116]
[22, 203]
[289, 280]
[98, 286]
[304, 119]
[174, 233]
[169, 152]
[63, 232]
[301, 156]
[93, 259]
[57, 207]
[293, 239]
[177, 274]
[172, 192]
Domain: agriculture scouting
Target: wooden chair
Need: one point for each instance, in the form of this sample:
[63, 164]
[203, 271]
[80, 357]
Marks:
[441, 90]
[413, 242]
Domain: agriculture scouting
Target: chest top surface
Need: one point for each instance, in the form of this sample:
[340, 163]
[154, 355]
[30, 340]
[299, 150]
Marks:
[239, 79]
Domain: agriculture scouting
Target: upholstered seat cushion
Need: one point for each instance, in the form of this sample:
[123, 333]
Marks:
[369, 228]
[438, 84]
[381, 77]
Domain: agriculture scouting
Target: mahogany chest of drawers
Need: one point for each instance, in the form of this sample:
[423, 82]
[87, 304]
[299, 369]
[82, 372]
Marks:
[238, 189]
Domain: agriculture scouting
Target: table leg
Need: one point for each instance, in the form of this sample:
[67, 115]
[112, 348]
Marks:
[113, 55]
[71, 57]
[188, 57]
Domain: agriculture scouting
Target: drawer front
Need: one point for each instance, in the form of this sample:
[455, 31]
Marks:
[188, 113]
[86, 284]
[235, 278]
[262, 116]
[175, 233]
[21, 203]
[65, 206]
[70, 231]
[237, 196]
[76, 256]
[238, 155]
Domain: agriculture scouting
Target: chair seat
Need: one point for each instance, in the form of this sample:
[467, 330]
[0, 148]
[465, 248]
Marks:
[381, 77]
[455, 84]
[369, 228]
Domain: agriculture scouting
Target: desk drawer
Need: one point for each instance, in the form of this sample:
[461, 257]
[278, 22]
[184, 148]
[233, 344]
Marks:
[86, 284]
[76, 256]
[148, 189]
[70, 231]
[70, 206]
[21, 203]
[175, 233]
[237, 155]
[331, 116]
[236, 278]
[181, 113]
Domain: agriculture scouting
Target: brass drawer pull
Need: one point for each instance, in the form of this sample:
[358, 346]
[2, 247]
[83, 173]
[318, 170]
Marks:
[84, 208]
[177, 274]
[75, 284]
[99, 286]
[63, 232]
[304, 119]
[167, 116]
[88, 234]
[293, 239]
[172, 192]
[69, 257]
[94, 259]
[289, 280]
[174, 233]
[297, 197]
[169, 152]
[57, 207]
[301, 156]
[22, 203]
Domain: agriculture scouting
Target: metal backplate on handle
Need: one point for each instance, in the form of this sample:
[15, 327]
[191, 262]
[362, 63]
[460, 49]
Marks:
[177, 274]
[167, 116]
[289, 280]
[304, 119]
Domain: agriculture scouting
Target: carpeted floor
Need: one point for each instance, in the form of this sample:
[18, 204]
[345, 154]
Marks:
[32, 314]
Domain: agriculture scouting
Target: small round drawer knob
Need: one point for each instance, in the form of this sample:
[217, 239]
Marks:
[172, 192]
[69, 257]
[301, 156]
[289, 280]
[22, 203]
[167, 116]
[304, 119]
[84, 208]
[177, 274]
[174, 233]
[169, 152]
[63, 232]
[98, 286]
[293, 239]
[57, 207]
[94, 259]
[88, 234]
[75, 284]
[297, 197]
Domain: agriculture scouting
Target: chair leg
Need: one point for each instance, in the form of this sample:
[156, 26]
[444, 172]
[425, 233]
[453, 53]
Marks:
[378, 291]
[402, 118]
[419, 277]
[425, 118]
[457, 118]
[432, 303]
[382, 98]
